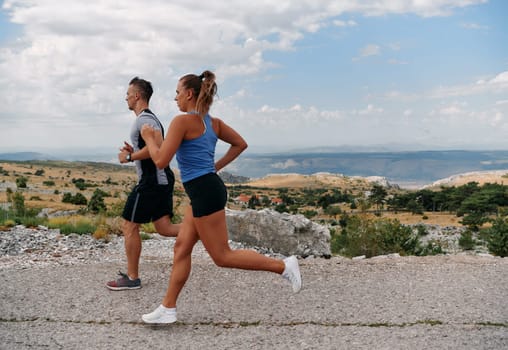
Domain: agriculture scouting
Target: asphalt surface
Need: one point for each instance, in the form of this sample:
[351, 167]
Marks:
[444, 302]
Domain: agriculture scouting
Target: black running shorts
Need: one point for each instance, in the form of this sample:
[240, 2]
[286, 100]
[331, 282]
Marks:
[148, 203]
[207, 194]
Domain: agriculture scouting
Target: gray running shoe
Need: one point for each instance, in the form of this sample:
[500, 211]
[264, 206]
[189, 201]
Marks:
[124, 283]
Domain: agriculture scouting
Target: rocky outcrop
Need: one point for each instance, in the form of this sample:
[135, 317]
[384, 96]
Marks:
[282, 233]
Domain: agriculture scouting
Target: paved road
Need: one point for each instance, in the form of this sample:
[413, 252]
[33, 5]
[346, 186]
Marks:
[454, 302]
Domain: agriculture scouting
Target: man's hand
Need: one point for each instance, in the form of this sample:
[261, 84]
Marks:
[127, 148]
[122, 156]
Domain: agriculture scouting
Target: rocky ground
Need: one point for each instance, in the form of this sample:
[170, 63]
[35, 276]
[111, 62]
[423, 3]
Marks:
[23, 248]
[53, 297]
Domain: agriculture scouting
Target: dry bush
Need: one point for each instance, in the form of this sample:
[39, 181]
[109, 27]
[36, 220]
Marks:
[102, 232]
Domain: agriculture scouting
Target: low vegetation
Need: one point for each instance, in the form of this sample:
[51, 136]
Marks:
[364, 218]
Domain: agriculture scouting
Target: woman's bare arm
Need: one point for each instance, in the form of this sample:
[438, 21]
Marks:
[229, 135]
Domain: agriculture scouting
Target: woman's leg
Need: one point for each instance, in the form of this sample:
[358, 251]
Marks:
[180, 272]
[165, 227]
[213, 233]
[187, 238]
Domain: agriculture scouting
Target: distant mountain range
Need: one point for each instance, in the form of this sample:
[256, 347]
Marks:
[419, 167]
[23, 156]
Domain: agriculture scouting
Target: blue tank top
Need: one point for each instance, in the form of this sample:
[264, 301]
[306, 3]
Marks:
[196, 157]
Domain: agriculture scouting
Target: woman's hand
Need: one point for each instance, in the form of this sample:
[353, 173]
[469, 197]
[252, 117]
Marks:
[147, 132]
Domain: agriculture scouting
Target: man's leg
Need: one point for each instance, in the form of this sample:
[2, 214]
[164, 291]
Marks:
[132, 242]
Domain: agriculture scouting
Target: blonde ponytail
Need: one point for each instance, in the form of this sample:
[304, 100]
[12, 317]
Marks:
[204, 87]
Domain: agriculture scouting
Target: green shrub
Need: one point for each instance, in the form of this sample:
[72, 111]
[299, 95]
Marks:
[21, 182]
[309, 214]
[145, 236]
[79, 183]
[474, 220]
[80, 229]
[31, 221]
[497, 240]
[148, 227]
[78, 198]
[96, 204]
[433, 247]
[116, 208]
[466, 240]
[67, 225]
[7, 223]
[421, 230]
[281, 208]
[18, 204]
[362, 236]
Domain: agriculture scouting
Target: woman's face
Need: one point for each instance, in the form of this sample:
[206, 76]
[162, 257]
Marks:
[182, 97]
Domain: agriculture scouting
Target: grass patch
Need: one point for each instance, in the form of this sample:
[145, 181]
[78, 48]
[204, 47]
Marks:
[73, 224]
[148, 228]
[430, 322]
[145, 236]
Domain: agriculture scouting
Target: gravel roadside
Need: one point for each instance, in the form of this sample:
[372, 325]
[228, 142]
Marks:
[53, 297]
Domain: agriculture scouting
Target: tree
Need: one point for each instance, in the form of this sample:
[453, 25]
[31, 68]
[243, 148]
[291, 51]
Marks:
[363, 204]
[96, 203]
[415, 207]
[474, 221]
[253, 202]
[18, 203]
[21, 182]
[309, 214]
[333, 211]
[378, 195]
[8, 191]
[281, 208]
[77, 199]
[67, 197]
[79, 183]
[498, 237]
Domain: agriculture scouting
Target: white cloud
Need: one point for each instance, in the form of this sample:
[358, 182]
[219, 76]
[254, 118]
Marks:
[396, 62]
[370, 50]
[370, 109]
[64, 79]
[339, 23]
[474, 26]
[290, 163]
[497, 84]
[450, 110]
[293, 118]
[501, 79]
[424, 8]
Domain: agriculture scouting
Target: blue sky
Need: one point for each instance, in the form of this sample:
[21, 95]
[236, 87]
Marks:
[399, 75]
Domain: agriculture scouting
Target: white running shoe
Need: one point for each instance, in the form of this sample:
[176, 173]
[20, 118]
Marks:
[161, 315]
[292, 273]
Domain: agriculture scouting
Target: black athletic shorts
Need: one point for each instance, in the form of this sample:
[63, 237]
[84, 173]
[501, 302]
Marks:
[148, 203]
[207, 194]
